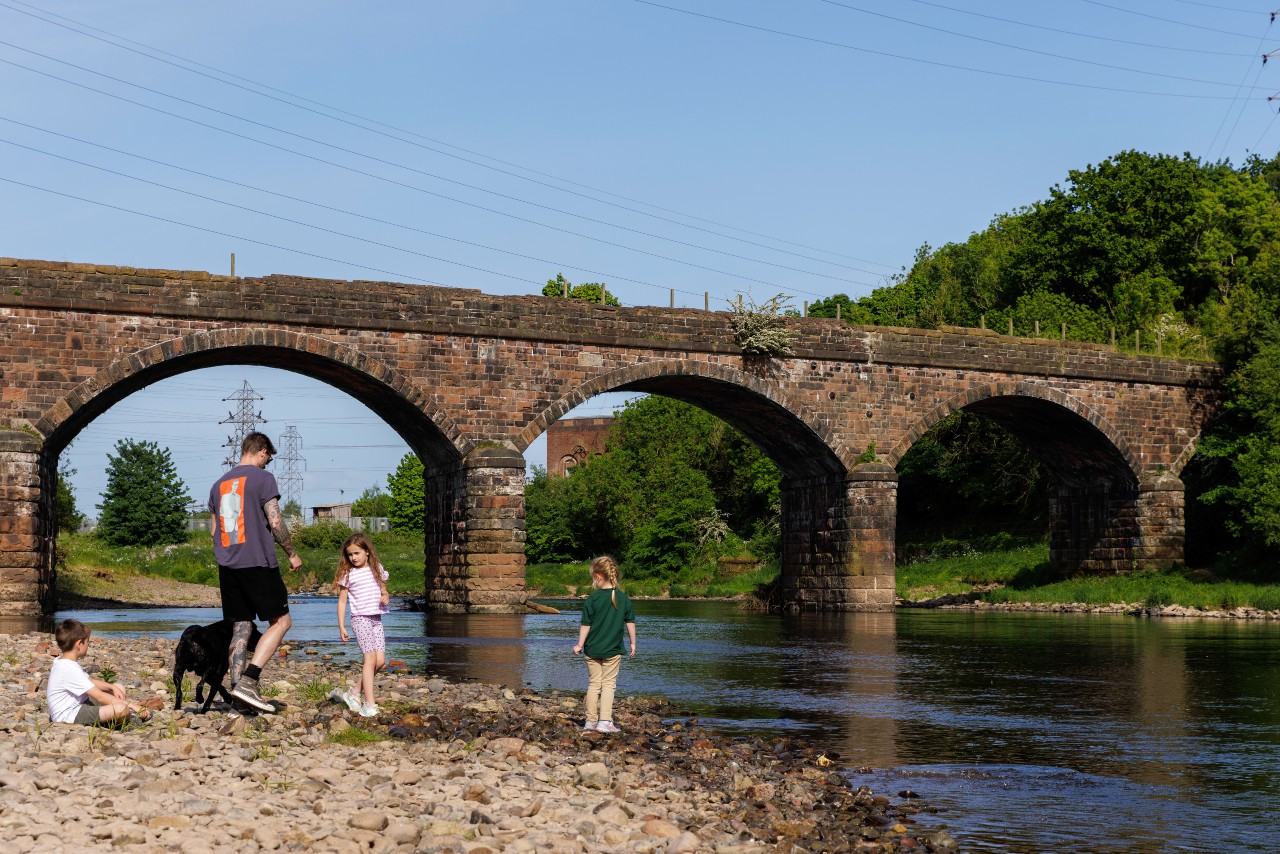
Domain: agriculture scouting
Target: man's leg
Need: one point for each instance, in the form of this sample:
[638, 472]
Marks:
[270, 640]
[239, 649]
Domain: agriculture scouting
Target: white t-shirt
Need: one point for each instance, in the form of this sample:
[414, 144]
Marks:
[364, 596]
[67, 690]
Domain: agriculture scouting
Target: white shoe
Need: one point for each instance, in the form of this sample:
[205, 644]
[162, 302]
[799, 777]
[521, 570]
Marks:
[589, 726]
[369, 710]
[606, 726]
[352, 700]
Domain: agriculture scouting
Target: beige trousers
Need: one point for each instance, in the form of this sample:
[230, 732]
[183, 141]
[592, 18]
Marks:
[602, 679]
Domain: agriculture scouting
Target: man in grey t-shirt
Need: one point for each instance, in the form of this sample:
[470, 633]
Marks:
[247, 524]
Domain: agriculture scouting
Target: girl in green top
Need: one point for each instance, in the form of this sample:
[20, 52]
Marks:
[604, 614]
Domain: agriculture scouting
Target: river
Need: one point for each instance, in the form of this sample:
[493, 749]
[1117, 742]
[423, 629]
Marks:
[1026, 732]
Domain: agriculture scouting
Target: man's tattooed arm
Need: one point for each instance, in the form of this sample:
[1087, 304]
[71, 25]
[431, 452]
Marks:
[280, 531]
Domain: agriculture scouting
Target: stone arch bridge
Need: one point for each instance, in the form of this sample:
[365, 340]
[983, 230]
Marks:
[470, 380]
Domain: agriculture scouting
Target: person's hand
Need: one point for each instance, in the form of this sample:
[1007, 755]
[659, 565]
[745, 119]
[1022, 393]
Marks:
[342, 630]
[633, 651]
[295, 560]
[385, 598]
[115, 690]
[577, 650]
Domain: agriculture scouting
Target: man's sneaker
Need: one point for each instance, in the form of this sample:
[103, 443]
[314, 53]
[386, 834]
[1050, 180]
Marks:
[606, 726]
[246, 690]
[352, 699]
[589, 726]
[369, 710]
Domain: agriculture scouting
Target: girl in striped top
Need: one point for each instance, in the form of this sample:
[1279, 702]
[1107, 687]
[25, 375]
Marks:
[362, 582]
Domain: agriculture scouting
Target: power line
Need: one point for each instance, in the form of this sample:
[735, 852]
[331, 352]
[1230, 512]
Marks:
[325, 207]
[271, 215]
[185, 62]
[422, 172]
[935, 63]
[1230, 107]
[1220, 8]
[1168, 20]
[1078, 34]
[1265, 131]
[1021, 48]
[219, 233]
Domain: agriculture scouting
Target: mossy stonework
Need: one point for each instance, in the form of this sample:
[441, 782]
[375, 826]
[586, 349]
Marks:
[470, 380]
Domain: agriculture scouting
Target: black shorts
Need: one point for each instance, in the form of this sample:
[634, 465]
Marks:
[252, 592]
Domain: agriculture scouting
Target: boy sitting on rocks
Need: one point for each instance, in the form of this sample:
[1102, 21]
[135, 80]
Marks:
[74, 696]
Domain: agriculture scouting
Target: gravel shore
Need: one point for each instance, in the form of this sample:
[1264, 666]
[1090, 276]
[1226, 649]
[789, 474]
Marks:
[444, 768]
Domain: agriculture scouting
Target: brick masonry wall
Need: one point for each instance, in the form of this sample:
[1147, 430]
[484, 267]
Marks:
[570, 441]
[456, 370]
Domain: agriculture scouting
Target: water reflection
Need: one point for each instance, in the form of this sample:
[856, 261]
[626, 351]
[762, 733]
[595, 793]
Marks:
[22, 625]
[485, 647]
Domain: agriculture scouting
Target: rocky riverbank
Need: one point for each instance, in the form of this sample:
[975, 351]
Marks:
[444, 768]
[972, 602]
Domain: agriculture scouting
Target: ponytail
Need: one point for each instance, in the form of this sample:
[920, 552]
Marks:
[607, 567]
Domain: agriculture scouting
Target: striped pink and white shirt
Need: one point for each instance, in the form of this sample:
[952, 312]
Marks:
[363, 593]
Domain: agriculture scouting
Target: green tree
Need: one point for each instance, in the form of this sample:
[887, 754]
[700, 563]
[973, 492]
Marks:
[588, 292]
[292, 509]
[373, 502]
[144, 502]
[668, 467]
[69, 519]
[408, 499]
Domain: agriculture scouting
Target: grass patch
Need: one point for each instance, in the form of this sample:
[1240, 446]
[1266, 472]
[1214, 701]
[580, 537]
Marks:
[961, 573]
[316, 691]
[354, 737]
[193, 562]
[1023, 575]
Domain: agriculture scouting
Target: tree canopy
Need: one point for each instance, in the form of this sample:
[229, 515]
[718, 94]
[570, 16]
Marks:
[144, 502]
[672, 484]
[408, 500]
[373, 502]
[1184, 253]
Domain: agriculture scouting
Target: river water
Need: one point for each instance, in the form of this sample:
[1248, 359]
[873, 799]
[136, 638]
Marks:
[1026, 732]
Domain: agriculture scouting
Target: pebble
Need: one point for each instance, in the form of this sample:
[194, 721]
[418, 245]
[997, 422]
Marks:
[473, 768]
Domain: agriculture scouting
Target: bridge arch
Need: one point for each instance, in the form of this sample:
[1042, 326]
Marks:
[1107, 510]
[1075, 443]
[428, 430]
[801, 444]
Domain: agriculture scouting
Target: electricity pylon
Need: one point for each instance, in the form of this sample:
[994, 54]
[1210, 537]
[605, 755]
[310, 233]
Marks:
[244, 419]
[292, 465]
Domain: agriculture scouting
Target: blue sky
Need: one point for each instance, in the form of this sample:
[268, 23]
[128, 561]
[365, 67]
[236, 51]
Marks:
[805, 147]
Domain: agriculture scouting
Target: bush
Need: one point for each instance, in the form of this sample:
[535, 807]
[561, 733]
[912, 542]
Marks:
[322, 535]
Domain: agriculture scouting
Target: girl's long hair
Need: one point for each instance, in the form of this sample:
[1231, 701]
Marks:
[607, 567]
[344, 565]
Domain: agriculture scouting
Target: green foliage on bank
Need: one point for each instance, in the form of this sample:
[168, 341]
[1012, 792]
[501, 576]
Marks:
[192, 560]
[1166, 254]
[1023, 575]
[675, 490]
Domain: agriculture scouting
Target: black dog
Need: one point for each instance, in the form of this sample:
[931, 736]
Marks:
[203, 650]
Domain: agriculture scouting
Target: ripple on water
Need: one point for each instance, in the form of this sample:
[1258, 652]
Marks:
[1012, 809]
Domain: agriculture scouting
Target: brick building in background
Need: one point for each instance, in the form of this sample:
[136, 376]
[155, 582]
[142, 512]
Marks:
[571, 440]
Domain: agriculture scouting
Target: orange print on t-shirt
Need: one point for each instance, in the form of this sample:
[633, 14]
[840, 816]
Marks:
[231, 511]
